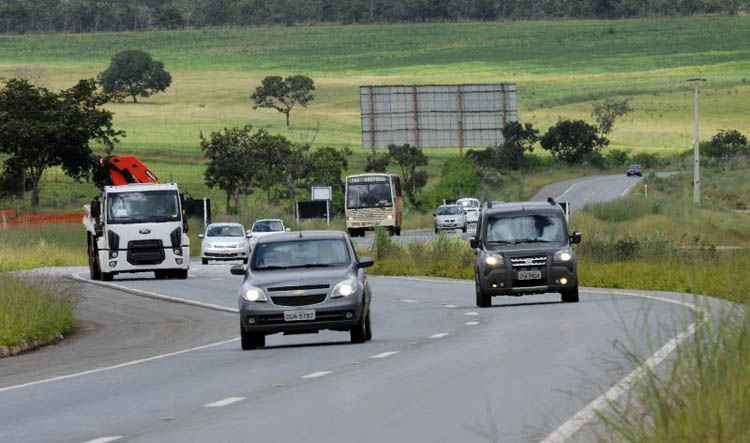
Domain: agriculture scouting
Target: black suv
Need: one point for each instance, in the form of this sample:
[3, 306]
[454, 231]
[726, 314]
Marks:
[524, 248]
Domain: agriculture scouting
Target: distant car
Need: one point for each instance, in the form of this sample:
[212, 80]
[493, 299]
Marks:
[524, 248]
[264, 227]
[471, 208]
[224, 241]
[634, 170]
[304, 282]
[450, 217]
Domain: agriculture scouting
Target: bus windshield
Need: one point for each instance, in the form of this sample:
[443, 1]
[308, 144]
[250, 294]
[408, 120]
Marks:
[369, 194]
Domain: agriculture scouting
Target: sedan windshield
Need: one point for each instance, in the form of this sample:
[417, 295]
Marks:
[225, 231]
[143, 207]
[323, 253]
[268, 226]
[450, 210]
[535, 228]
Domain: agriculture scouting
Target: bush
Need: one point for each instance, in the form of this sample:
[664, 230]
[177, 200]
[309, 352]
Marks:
[617, 157]
[725, 145]
[647, 160]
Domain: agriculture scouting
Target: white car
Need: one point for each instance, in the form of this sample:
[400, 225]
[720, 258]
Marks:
[224, 241]
[264, 227]
[450, 217]
[471, 208]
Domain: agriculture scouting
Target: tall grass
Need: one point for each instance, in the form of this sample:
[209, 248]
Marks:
[443, 257]
[41, 246]
[38, 311]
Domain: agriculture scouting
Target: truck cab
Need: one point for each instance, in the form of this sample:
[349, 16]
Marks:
[524, 248]
[137, 227]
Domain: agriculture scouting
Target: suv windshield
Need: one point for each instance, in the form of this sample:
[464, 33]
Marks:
[268, 226]
[322, 253]
[533, 228]
[449, 210]
[143, 207]
[225, 231]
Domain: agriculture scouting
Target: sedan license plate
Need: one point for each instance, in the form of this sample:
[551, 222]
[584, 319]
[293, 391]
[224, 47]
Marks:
[529, 275]
[299, 315]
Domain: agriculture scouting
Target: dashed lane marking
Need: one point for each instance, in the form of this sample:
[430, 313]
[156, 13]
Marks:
[471, 314]
[450, 306]
[317, 374]
[384, 355]
[105, 439]
[471, 323]
[439, 335]
[225, 402]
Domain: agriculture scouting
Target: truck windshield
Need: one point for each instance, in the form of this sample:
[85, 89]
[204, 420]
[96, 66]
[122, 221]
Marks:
[143, 207]
[369, 195]
[536, 228]
[323, 253]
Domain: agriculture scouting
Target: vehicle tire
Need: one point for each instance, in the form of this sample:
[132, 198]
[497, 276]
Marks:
[107, 276]
[181, 274]
[94, 271]
[358, 333]
[483, 300]
[251, 340]
[398, 231]
[368, 328]
[570, 295]
[436, 230]
[464, 229]
[204, 261]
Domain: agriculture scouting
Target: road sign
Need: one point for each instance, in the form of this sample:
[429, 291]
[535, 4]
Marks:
[321, 193]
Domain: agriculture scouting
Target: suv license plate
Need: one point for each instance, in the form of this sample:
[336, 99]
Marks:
[529, 275]
[299, 315]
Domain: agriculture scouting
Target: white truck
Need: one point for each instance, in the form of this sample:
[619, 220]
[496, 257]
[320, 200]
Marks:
[138, 227]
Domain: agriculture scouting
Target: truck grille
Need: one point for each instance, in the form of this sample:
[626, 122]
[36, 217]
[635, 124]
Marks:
[298, 300]
[528, 262]
[145, 252]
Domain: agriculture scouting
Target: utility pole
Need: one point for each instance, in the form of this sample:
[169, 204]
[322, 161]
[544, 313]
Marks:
[696, 142]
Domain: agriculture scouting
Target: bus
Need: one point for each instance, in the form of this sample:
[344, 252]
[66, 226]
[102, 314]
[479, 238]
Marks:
[373, 200]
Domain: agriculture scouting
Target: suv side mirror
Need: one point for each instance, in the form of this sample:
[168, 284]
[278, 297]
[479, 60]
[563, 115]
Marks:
[365, 262]
[238, 270]
[575, 238]
[474, 243]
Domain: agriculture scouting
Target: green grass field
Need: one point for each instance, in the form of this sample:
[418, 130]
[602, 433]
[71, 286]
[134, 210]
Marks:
[561, 68]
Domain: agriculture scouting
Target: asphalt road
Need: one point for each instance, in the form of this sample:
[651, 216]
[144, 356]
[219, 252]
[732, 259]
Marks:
[437, 370]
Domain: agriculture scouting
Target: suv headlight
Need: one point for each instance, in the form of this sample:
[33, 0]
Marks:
[564, 256]
[494, 260]
[254, 295]
[345, 288]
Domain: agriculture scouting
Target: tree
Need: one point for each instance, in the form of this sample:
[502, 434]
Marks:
[284, 94]
[726, 144]
[572, 141]
[518, 140]
[377, 162]
[134, 73]
[409, 158]
[269, 154]
[230, 163]
[606, 112]
[40, 129]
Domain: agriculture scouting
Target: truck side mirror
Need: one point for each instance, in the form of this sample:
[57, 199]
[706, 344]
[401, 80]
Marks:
[185, 224]
[575, 238]
[95, 208]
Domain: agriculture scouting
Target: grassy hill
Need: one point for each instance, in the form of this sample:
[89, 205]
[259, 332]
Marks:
[560, 67]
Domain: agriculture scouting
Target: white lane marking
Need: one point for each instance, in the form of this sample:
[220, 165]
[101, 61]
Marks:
[450, 306]
[317, 374]
[589, 412]
[471, 323]
[155, 295]
[408, 300]
[471, 314]
[439, 335]
[105, 439]
[384, 355]
[118, 366]
[570, 188]
[226, 402]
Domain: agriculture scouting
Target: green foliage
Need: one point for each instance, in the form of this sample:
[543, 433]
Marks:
[458, 178]
[725, 145]
[134, 73]
[41, 129]
[519, 140]
[377, 162]
[647, 159]
[39, 311]
[605, 113]
[617, 157]
[283, 94]
[571, 141]
[230, 162]
[409, 158]
[41, 246]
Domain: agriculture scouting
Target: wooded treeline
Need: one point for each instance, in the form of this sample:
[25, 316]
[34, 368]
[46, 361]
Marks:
[20, 16]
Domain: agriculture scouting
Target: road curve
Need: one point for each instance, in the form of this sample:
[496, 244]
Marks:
[438, 368]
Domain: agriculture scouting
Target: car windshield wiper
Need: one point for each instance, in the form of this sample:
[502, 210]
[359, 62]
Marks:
[270, 268]
[532, 240]
[499, 242]
[311, 265]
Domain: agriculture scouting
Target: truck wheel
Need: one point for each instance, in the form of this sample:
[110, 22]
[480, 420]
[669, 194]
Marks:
[107, 276]
[204, 261]
[251, 340]
[483, 300]
[96, 273]
[570, 295]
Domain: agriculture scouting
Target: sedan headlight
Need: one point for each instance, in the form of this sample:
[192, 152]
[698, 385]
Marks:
[564, 255]
[345, 288]
[255, 295]
[494, 260]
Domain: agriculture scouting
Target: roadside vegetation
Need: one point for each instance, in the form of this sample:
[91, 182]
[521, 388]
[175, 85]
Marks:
[37, 312]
